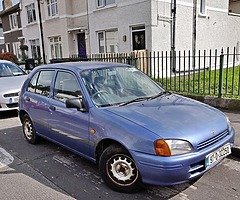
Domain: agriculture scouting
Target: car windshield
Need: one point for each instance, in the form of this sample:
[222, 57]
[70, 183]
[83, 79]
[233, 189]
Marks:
[118, 86]
[9, 69]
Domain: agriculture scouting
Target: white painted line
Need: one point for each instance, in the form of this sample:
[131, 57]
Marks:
[5, 158]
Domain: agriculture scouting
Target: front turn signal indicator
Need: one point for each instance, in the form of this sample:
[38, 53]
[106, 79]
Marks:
[162, 148]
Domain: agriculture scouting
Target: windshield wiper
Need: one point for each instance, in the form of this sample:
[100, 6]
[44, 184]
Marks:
[160, 94]
[134, 100]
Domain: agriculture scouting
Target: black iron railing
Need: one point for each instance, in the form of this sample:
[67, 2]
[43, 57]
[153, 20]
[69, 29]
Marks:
[212, 72]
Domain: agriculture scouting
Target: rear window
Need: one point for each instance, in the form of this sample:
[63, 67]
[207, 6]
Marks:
[41, 82]
[10, 69]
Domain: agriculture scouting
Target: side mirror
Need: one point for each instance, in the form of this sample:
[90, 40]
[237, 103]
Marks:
[77, 103]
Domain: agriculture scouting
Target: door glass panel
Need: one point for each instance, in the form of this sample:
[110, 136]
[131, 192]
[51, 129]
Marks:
[32, 83]
[44, 83]
[66, 87]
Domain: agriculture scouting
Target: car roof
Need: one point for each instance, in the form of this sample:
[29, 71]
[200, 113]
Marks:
[5, 61]
[83, 65]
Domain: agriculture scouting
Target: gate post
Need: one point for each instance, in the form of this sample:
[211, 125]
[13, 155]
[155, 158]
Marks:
[221, 74]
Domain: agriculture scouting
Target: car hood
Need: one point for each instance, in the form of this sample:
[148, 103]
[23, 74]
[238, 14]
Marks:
[175, 117]
[13, 83]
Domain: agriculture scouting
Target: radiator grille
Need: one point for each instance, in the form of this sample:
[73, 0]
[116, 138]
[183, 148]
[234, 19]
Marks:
[212, 140]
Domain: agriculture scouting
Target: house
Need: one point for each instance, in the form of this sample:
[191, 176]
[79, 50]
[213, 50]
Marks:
[128, 25]
[12, 30]
[2, 43]
[64, 27]
[80, 27]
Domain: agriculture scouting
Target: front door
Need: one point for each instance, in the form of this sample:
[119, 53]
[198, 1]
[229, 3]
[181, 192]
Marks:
[69, 126]
[81, 45]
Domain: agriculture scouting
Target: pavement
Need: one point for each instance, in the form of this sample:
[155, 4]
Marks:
[234, 117]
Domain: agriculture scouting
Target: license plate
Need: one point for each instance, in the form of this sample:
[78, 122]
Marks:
[217, 155]
[13, 99]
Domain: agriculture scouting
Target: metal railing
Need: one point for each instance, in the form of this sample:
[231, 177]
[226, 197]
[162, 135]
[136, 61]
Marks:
[215, 73]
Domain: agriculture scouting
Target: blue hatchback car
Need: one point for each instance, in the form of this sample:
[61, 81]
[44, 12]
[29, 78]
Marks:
[119, 118]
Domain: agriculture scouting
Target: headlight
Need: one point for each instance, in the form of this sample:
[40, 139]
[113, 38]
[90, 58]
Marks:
[229, 124]
[172, 147]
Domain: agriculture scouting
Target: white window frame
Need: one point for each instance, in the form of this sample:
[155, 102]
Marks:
[138, 28]
[55, 47]
[35, 48]
[52, 8]
[31, 13]
[103, 3]
[105, 41]
[202, 8]
[13, 21]
[7, 47]
[16, 49]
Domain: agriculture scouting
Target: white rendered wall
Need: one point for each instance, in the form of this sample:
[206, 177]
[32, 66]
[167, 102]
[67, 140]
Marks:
[121, 16]
[215, 30]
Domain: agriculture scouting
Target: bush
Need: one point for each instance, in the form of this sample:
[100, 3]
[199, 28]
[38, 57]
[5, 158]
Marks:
[9, 56]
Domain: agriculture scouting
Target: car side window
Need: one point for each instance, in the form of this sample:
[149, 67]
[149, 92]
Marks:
[44, 83]
[66, 87]
[32, 83]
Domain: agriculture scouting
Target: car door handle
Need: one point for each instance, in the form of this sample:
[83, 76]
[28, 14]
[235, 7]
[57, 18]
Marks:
[27, 99]
[52, 108]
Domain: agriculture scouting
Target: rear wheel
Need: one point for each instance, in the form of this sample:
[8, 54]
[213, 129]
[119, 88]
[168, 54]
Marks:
[118, 170]
[29, 131]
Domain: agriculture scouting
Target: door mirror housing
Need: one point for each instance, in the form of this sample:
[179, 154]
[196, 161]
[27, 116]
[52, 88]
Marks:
[77, 103]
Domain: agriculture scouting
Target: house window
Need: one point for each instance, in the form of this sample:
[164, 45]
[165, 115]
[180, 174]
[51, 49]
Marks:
[8, 47]
[138, 38]
[107, 41]
[234, 7]
[31, 14]
[16, 49]
[13, 21]
[202, 8]
[102, 3]
[52, 8]
[35, 48]
[55, 47]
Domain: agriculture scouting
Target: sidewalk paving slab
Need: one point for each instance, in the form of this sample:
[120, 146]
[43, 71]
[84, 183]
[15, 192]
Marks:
[234, 117]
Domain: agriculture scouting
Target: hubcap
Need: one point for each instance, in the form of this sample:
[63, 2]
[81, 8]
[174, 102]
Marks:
[28, 129]
[122, 170]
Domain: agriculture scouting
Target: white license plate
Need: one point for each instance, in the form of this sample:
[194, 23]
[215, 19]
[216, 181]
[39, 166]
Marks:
[13, 99]
[217, 155]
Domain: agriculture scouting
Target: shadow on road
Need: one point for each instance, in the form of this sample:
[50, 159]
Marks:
[63, 171]
[8, 114]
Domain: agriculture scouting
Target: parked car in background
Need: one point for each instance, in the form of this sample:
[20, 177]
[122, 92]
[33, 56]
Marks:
[11, 80]
[119, 118]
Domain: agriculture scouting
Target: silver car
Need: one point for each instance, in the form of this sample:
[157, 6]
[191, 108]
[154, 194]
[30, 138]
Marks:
[11, 80]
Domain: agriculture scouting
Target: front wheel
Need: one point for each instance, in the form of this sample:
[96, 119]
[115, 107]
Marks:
[118, 170]
[29, 131]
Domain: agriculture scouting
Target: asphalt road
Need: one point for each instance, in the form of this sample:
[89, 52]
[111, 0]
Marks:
[46, 171]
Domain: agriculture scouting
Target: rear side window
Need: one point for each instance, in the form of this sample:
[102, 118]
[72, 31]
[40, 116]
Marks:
[44, 83]
[32, 84]
[66, 87]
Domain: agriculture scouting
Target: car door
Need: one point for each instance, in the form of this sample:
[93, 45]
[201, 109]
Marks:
[69, 126]
[36, 99]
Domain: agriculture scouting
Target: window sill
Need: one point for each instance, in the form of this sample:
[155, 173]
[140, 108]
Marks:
[200, 15]
[105, 7]
[234, 14]
[49, 18]
[14, 29]
[31, 23]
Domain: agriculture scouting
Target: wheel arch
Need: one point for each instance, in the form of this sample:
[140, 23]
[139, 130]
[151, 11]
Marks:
[103, 144]
[21, 114]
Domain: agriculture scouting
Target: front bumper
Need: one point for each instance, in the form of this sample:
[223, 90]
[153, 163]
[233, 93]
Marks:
[9, 102]
[173, 170]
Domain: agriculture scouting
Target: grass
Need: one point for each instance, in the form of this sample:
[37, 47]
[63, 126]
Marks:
[206, 82]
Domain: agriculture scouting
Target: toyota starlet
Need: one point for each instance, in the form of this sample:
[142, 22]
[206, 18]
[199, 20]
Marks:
[119, 118]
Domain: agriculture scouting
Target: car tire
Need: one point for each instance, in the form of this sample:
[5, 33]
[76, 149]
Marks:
[119, 171]
[29, 130]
